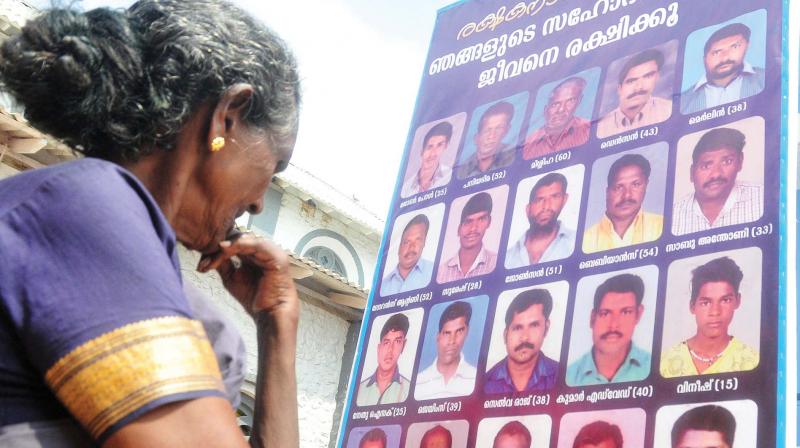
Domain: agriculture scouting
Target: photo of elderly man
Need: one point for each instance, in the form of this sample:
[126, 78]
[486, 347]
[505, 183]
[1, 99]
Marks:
[562, 115]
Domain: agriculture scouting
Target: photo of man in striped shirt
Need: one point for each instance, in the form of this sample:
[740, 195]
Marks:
[718, 199]
[472, 257]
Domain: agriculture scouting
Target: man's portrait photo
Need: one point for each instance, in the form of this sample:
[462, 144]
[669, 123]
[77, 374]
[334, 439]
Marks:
[724, 168]
[386, 436]
[626, 201]
[723, 424]
[491, 141]
[526, 340]
[562, 114]
[619, 308]
[545, 217]
[451, 349]
[389, 359]
[441, 434]
[523, 431]
[412, 249]
[712, 323]
[433, 152]
[638, 90]
[733, 54]
[472, 235]
[618, 428]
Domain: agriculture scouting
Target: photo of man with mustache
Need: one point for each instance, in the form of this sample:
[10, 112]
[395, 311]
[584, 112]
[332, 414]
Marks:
[492, 151]
[412, 271]
[526, 368]
[718, 199]
[638, 79]
[613, 358]
[562, 129]
[728, 76]
[624, 223]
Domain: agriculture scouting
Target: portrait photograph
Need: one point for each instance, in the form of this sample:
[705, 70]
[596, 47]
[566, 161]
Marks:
[545, 218]
[385, 358]
[621, 323]
[730, 424]
[373, 436]
[616, 428]
[508, 343]
[412, 250]
[431, 434]
[562, 114]
[492, 136]
[724, 63]
[433, 154]
[474, 227]
[719, 177]
[638, 90]
[524, 430]
[634, 198]
[712, 322]
[453, 346]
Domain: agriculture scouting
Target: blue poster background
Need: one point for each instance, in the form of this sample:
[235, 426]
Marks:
[485, 51]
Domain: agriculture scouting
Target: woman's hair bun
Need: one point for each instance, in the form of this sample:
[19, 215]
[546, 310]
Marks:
[75, 73]
[120, 84]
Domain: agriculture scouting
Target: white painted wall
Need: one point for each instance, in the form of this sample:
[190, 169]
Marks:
[293, 225]
[6, 171]
[320, 348]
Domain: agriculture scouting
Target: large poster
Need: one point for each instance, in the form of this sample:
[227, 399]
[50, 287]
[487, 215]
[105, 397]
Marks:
[583, 248]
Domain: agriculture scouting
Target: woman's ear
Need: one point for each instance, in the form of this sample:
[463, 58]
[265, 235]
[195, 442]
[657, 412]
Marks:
[227, 114]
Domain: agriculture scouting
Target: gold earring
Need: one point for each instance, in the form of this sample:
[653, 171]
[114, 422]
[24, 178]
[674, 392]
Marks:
[217, 143]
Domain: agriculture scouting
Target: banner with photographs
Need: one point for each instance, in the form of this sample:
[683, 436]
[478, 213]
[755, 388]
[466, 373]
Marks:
[584, 245]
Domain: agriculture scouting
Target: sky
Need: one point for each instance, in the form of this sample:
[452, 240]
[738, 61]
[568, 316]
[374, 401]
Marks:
[361, 63]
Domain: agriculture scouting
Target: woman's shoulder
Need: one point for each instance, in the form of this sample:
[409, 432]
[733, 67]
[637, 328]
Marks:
[77, 192]
[84, 179]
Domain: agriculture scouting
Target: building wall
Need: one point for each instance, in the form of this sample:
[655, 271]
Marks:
[297, 220]
[6, 171]
[321, 343]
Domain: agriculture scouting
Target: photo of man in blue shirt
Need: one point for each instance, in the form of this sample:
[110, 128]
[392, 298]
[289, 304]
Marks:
[728, 77]
[613, 358]
[412, 271]
[526, 368]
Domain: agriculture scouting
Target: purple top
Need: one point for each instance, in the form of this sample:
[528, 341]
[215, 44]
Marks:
[84, 250]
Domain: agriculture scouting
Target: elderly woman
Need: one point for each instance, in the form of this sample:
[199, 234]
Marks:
[184, 109]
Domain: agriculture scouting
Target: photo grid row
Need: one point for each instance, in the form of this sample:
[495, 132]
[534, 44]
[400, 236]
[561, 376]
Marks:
[638, 91]
[709, 424]
[718, 183]
[710, 326]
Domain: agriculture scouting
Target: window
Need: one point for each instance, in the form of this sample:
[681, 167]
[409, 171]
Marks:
[327, 258]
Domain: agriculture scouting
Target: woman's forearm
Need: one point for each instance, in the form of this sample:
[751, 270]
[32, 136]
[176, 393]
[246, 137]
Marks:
[275, 421]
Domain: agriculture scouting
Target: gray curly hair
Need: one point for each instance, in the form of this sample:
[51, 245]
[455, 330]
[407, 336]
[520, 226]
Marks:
[118, 84]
